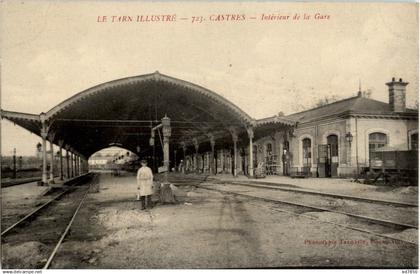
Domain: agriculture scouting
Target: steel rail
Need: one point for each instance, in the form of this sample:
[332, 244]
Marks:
[311, 192]
[38, 209]
[345, 226]
[321, 209]
[32, 213]
[340, 212]
[57, 246]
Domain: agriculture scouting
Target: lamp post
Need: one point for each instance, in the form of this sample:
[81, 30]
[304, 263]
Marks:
[20, 162]
[14, 163]
[349, 139]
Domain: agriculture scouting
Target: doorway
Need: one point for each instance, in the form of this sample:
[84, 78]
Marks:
[331, 165]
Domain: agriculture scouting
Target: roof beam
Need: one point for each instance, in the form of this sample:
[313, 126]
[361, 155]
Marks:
[20, 115]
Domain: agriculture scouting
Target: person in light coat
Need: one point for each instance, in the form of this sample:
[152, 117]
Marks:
[145, 185]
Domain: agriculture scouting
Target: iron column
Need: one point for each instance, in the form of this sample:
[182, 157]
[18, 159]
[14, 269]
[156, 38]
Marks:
[71, 165]
[67, 162]
[166, 130]
[14, 163]
[212, 165]
[235, 157]
[196, 146]
[44, 134]
[250, 131]
[184, 150]
[60, 143]
[51, 162]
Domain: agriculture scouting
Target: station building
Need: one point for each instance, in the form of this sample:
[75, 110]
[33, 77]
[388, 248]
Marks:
[334, 140]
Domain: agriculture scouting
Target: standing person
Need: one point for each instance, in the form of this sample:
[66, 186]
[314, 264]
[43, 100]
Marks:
[145, 184]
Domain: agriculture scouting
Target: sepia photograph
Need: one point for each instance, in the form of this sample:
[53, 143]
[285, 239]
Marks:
[209, 135]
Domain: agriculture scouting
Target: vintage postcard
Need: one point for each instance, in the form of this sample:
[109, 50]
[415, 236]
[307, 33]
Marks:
[209, 135]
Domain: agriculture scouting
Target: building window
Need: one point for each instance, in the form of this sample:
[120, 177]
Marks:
[268, 149]
[307, 152]
[332, 141]
[415, 141]
[376, 140]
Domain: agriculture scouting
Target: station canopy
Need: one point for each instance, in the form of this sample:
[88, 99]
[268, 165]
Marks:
[122, 113]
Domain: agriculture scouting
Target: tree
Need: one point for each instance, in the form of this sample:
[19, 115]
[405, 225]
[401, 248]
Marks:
[297, 99]
[367, 93]
[326, 100]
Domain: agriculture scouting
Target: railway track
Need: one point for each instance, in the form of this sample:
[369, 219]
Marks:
[374, 226]
[396, 213]
[400, 214]
[9, 220]
[48, 224]
[272, 186]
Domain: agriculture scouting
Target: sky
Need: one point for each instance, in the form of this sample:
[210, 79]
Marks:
[51, 50]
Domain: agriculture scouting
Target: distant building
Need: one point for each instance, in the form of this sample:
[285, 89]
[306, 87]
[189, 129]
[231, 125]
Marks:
[100, 161]
[110, 156]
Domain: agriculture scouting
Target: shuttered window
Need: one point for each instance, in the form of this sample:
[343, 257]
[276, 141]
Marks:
[307, 151]
[376, 140]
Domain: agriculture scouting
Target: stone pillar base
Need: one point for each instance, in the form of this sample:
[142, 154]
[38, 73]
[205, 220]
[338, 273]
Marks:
[166, 194]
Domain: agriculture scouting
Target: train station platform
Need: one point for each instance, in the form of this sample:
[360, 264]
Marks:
[22, 192]
[20, 199]
[206, 229]
[337, 186]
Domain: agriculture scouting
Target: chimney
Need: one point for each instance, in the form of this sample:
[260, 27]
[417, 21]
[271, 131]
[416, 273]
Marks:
[397, 95]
